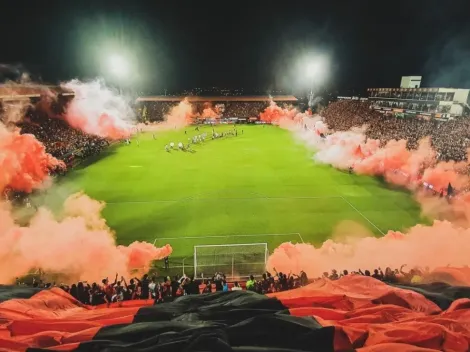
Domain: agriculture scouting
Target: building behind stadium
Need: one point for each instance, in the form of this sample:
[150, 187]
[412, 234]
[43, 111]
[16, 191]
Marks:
[242, 108]
[410, 99]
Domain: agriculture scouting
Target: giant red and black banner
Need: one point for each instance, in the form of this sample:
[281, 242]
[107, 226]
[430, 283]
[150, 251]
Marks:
[353, 313]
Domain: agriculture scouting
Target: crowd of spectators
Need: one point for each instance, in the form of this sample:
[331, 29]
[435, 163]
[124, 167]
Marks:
[393, 276]
[156, 111]
[60, 140]
[450, 138]
[163, 289]
[244, 109]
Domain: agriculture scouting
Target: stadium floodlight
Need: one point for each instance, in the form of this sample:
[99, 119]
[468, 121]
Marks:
[118, 65]
[317, 67]
[316, 71]
[313, 69]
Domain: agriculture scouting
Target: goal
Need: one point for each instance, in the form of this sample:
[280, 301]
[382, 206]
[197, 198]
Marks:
[236, 261]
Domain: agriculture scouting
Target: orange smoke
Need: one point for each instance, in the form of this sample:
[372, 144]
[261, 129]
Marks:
[442, 244]
[277, 115]
[180, 115]
[24, 163]
[78, 244]
[208, 112]
[96, 110]
[394, 161]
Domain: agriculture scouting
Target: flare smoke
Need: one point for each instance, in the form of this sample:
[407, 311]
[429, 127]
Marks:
[97, 110]
[443, 243]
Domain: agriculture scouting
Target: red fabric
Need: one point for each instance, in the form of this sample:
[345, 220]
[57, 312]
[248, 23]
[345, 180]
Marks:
[54, 319]
[451, 275]
[394, 347]
[367, 315]
[352, 292]
[371, 314]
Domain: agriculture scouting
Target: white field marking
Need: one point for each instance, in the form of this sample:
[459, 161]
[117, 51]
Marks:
[259, 263]
[135, 165]
[226, 236]
[212, 199]
[370, 222]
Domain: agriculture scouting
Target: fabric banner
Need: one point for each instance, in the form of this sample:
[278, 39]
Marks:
[355, 313]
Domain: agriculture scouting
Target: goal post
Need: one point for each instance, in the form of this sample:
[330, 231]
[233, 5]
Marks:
[236, 261]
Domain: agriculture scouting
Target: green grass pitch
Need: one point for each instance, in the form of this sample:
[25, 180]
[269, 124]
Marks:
[258, 184]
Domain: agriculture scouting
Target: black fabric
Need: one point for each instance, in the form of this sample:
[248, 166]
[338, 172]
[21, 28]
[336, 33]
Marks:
[248, 322]
[222, 321]
[10, 292]
[440, 293]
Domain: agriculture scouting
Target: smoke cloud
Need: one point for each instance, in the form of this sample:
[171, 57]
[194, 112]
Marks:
[77, 244]
[208, 112]
[97, 110]
[180, 115]
[14, 111]
[439, 245]
[443, 243]
[24, 163]
[277, 115]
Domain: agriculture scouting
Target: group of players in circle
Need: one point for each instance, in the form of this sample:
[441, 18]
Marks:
[199, 138]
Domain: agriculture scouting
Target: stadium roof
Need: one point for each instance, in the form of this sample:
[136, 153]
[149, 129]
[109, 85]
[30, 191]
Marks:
[27, 91]
[194, 99]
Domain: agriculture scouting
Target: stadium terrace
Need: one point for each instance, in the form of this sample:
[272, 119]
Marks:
[154, 108]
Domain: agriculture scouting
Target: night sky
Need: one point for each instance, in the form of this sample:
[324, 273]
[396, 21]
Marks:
[254, 45]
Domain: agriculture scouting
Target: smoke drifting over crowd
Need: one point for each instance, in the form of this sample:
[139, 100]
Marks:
[415, 169]
[24, 163]
[97, 110]
[208, 112]
[180, 115]
[78, 243]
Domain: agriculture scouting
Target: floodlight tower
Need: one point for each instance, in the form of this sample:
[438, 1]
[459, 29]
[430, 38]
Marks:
[313, 70]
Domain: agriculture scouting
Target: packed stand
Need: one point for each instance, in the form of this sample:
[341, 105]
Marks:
[244, 109]
[60, 140]
[450, 138]
[166, 289]
[156, 111]
[393, 276]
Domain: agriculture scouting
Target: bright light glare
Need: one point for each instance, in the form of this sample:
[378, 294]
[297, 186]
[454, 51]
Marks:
[317, 66]
[314, 68]
[118, 66]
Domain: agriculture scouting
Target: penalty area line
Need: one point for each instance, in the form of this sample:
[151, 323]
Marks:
[365, 217]
[227, 236]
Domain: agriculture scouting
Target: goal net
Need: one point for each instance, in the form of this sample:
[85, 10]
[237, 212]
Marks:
[234, 260]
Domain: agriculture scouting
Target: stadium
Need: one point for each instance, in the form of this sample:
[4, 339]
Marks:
[186, 178]
[224, 194]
